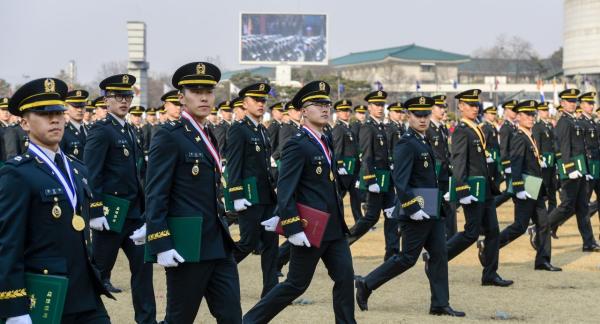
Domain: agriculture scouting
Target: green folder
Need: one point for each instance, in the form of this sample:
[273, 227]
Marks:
[46, 295]
[594, 168]
[186, 233]
[438, 167]
[383, 180]
[550, 158]
[580, 165]
[250, 193]
[115, 211]
[349, 164]
[478, 187]
[532, 185]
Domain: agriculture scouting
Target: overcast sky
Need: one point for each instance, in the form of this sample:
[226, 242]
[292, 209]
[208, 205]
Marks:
[39, 37]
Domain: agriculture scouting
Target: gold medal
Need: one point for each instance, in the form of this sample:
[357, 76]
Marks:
[56, 211]
[75, 151]
[478, 148]
[125, 151]
[319, 170]
[425, 164]
[195, 169]
[381, 142]
[257, 148]
[78, 223]
[436, 143]
[26, 144]
[331, 176]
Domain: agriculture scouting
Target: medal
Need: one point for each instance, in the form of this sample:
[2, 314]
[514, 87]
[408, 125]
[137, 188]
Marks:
[26, 144]
[125, 151]
[75, 151]
[319, 170]
[195, 169]
[56, 211]
[381, 142]
[331, 176]
[436, 143]
[478, 148]
[425, 164]
[257, 148]
[78, 223]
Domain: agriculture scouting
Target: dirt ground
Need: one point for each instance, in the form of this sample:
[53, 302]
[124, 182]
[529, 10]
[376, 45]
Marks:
[571, 296]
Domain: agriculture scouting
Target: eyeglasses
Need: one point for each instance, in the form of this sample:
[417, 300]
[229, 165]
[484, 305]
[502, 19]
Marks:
[121, 97]
[318, 104]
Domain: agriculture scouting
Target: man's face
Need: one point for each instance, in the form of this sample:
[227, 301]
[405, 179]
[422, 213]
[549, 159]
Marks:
[101, 113]
[239, 113]
[419, 123]
[213, 118]
[87, 116]
[587, 107]
[136, 120]
[4, 115]
[276, 114]
[75, 113]
[118, 104]
[543, 114]
[343, 115]
[437, 112]
[255, 107]
[151, 118]
[295, 115]
[490, 117]
[509, 114]
[46, 128]
[360, 116]
[467, 110]
[316, 113]
[226, 115]
[525, 120]
[173, 111]
[197, 102]
[376, 110]
[569, 106]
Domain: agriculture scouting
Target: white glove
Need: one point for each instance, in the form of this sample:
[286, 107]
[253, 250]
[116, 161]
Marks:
[508, 170]
[270, 224]
[169, 258]
[489, 159]
[575, 174]
[23, 319]
[389, 211]
[99, 224]
[392, 166]
[467, 200]
[241, 204]
[299, 239]
[357, 184]
[447, 196]
[523, 195]
[589, 177]
[420, 215]
[374, 188]
[342, 171]
[139, 236]
[544, 165]
[273, 163]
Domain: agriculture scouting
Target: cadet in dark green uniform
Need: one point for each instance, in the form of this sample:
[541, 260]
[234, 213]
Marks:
[543, 134]
[507, 130]
[468, 158]
[101, 109]
[149, 128]
[73, 140]
[394, 128]
[570, 136]
[414, 167]
[135, 121]
[492, 145]
[288, 129]
[16, 140]
[184, 175]
[88, 113]
[373, 145]
[171, 108]
[248, 156]
[4, 124]
[222, 127]
[115, 160]
[45, 203]
[526, 160]
[345, 146]
[587, 102]
[308, 176]
[273, 130]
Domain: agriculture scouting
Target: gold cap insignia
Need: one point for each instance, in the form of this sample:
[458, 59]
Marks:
[125, 78]
[344, 102]
[261, 87]
[422, 101]
[5, 100]
[49, 85]
[572, 91]
[200, 68]
[421, 201]
[322, 86]
[379, 94]
[532, 103]
[475, 92]
[78, 93]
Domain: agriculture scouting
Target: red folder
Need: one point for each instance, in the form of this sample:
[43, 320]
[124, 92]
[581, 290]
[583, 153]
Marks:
[314, 222]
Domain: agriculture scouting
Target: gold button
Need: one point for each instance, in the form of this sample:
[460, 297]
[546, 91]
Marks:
[45, 271]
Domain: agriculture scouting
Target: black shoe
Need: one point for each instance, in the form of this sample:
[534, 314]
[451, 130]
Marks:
[448, 311]
[532, 234]
[591, 248]
[362, 293]
[480, 247]
[425, 256]
[499, 282]
[112, 289]
[547, 267]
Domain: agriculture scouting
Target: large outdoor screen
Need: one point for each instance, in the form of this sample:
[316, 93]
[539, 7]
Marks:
[277, 38]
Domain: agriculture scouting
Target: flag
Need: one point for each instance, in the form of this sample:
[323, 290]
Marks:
[455, 84]
[496, 83]
[418, 86]
[273, 92]
[341, 88]
[540, 87]
[555, 94]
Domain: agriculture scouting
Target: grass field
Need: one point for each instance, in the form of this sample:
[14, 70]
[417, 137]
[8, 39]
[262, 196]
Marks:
[571, 296]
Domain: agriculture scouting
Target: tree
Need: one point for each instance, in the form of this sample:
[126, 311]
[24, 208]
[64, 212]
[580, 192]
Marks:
[5, 90]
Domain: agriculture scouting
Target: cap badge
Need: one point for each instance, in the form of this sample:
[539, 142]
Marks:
[422, 101]
[49, 85]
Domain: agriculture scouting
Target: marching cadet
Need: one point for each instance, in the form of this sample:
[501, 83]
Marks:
[16, 140]
[101, 111]
[4, 124]
[220, 131]
[171, 107]
[543, 134]
[414, 167]
[248, 157]
[592, 145]
[213, 118]
[238, 109]
[184, 173]
[46, 206]
[114, 159]
[437, 134]
[394, 128]
[88, 113]
[490, 133]
[273, 130]
[345, 146]
[526, 160]
[288, 129]
[163, 118]
[360, 116]
[73, 140]
[507, 130]
[149, 129]
[468, 159]
[135, 121]
[375, 157]
[570, 136]
[308, 176]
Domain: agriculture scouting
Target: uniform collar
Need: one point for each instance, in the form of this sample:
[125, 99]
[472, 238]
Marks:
[49, 153]
[75, 124]
[119, 120]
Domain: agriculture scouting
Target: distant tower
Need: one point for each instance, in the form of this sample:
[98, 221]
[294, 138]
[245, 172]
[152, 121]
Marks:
[137, 65]
[581, 36]
[71, 73]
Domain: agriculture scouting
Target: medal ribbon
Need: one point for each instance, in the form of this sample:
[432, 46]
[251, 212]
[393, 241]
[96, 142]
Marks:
[72, 194]
[323, 146]
[476, 129]
[535, 149]
[211, 148]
